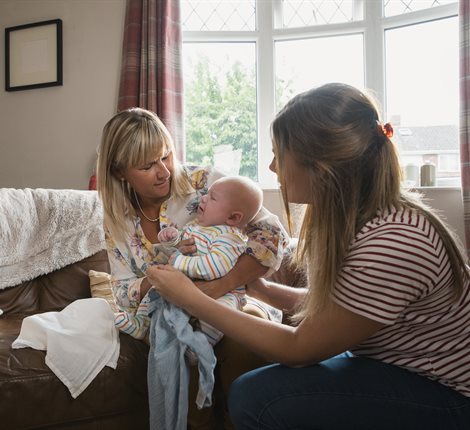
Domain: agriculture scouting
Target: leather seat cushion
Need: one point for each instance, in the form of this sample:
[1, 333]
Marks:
[24, 375]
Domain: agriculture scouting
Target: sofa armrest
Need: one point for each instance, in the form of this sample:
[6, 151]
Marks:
[54, 291]
[70, 283]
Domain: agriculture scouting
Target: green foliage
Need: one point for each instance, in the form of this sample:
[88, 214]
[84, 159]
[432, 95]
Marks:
[221, 110]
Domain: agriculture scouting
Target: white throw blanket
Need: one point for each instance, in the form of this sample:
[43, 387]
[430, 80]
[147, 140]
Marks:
[42, 230]
[80, 340]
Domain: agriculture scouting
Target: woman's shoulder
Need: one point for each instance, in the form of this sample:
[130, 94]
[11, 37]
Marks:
[201, 177]
[403, 222]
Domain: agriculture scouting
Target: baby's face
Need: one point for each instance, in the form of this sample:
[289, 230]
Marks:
[216, 206]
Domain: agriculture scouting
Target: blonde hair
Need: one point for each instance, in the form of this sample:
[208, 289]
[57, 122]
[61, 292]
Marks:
[245, 196]
[354, 171]
[131, 138]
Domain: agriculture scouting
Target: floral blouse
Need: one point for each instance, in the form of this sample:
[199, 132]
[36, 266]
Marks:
[129, 261]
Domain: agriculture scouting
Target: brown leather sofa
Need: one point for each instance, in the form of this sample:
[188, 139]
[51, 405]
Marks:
[32, 397]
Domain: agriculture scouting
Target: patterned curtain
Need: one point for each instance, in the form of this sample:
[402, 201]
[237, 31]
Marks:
[464, 25]
[151, 72]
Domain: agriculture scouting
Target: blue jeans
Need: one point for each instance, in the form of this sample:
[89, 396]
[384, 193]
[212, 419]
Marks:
[344, 392]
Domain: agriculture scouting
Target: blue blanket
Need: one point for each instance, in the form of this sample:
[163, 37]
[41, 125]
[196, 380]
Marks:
[168, 371]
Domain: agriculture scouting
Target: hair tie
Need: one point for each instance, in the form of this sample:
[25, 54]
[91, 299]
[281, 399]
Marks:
[386, 129]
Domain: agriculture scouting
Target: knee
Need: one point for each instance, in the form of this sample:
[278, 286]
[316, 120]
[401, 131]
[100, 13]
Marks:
[241, 402]
[236, 403]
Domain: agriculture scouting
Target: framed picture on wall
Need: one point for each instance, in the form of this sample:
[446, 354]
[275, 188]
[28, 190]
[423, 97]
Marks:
[33, 55]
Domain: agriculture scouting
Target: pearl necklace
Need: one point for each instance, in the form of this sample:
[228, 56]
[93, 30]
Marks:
[141, 210]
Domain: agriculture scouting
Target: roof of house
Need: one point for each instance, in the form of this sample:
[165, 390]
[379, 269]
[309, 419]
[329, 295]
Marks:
[440, 137]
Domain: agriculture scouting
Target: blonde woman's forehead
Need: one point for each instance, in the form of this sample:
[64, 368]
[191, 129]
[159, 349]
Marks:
[147, 151]
[155, 151]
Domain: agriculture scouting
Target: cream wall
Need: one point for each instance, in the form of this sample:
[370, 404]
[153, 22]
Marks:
[48, 137]
[447, 201]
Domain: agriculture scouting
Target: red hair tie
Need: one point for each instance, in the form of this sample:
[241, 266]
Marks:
[386, 129]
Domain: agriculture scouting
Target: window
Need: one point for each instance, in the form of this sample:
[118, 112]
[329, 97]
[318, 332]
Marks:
[220, 106]
[243, 60]
[422, 94]
[294, 73]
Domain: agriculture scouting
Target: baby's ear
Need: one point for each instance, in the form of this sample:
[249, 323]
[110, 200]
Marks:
[235, 219]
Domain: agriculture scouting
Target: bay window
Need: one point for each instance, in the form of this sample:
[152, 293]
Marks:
[243, 60]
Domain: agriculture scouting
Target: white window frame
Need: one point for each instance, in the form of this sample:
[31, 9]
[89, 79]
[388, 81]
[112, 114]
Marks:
[373, 28]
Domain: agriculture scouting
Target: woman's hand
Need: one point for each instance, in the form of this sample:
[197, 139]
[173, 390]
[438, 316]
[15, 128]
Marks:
[172, 285]
[187, 246]
[247, 269]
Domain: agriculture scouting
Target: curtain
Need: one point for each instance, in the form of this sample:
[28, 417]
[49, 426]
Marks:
[464, 29]
[151, 72]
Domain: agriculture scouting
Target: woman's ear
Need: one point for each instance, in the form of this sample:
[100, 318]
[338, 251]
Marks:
[235, 219]
[118, 174]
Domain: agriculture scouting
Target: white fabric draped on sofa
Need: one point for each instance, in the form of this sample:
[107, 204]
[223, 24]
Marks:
[42, 230]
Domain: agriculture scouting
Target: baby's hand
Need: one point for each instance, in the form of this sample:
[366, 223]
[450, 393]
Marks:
[168, 234]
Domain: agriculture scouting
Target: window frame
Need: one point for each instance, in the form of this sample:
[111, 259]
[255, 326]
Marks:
[372, 27]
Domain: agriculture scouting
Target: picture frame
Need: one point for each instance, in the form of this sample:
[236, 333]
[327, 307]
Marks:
[33, 55]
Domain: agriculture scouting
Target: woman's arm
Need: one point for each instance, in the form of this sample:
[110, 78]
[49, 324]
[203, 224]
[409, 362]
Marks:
[279, 296]
[328, 333]
[128, 288]
[129, 284]
[246, 270]
[267, 240]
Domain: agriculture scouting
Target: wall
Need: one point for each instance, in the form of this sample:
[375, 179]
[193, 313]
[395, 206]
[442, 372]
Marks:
[447, 201]
[48, 136]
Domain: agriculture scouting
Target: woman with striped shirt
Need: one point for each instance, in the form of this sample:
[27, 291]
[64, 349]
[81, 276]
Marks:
[381, 338]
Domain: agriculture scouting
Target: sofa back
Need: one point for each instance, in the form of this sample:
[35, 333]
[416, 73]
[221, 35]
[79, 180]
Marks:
[55, 290]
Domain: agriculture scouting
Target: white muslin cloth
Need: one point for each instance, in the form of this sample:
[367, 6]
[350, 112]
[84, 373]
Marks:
[80, 340]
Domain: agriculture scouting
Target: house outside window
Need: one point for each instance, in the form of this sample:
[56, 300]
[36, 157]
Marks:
[243, 60]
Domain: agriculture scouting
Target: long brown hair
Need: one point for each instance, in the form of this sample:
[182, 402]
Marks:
[335, 132]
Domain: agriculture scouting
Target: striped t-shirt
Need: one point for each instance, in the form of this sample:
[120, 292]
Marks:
[397, 272]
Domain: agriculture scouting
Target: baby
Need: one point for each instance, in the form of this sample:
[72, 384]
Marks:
[229, 205]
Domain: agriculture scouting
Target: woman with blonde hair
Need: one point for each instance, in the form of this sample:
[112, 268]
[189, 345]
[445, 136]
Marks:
[144, 189]
[381, 338]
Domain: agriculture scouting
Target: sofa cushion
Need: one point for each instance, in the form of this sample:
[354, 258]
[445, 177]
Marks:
[100, 286]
